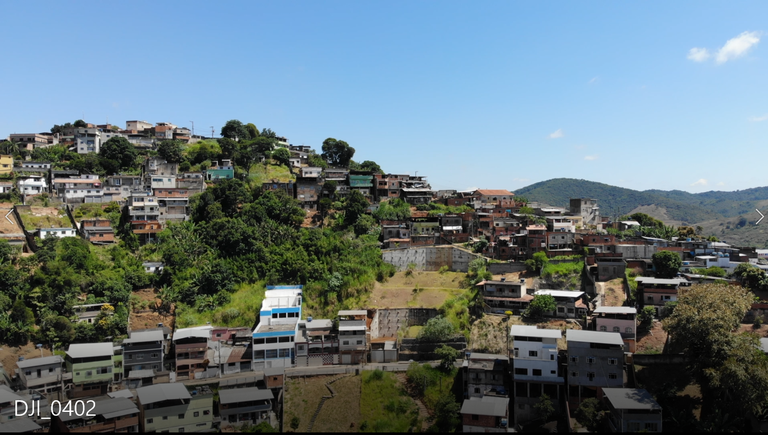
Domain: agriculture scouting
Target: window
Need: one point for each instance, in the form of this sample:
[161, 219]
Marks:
[603, 328]
[50, 370]
[165, 417]
[612, 376]
[650, 298]
[552, 357]
[591, 376]
[196, 414]
[523, 372]
[574, 359]
[345, 342]
[284, 353]
[154, 355]
[271, 353]
[628, 330]
[612, 361]
[477, 390]
[359, 342]
[616, 329]
[574, 374]
[590, 360]
[533, 353]
[150, 421]
[552, 372]
[28, 372]
[89, 373]
[536, 372]
[140, 356]
[652, 427]
[206, 412]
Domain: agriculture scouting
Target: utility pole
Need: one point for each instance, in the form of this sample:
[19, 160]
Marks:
[211, 132]
[193, 127]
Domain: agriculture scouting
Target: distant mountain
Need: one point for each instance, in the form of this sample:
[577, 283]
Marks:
[682, 207]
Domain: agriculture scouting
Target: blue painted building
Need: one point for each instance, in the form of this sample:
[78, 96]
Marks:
[275, 335]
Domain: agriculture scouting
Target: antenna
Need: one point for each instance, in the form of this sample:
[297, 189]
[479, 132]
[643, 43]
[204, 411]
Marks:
[211, 132]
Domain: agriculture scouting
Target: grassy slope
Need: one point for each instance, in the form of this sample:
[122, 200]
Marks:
[262, 174]
[246, 300]
[385, 405]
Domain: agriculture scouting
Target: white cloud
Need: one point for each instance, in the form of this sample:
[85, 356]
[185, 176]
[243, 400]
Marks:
[737, 47]
[758, 118]
[557, 134]
[698, 54]
[700, 182]
[594, 157]
[721, 184]
[594, 80]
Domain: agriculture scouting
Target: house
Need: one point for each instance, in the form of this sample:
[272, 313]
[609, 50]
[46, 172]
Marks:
[388, 186]
[87, 313]
[91, 365]
[310, 172]
[192, 181]
[316, 344]
[147, 230]
[6, 164]
[274, 377]
[617, 319]
[143, 207]
[32, 185]
[105, 415]
[239, 406]
[274, 336]
[29, 141]
[493, 196]
[485, 374]
[144, 349]
[353, 328]
[308, 192]
[156, 166]
[182, 133]
[62, 232]
[394, 230]
[595, 360]
[657, 292]
[570, 303]
[486, 414]
[10, 400]
[632, 410]
[152, 267]
[42, 374]
[164, 130]
[191, 349]
[6, 187]
[171, 408]
[610, 265]
[223, 171]
[86, 188]
[335, 174]
[87, 140]
[415, 190]
[536, 369]
[562, 224]
[587, 208]
[502, 296]
[363, 183]
[20, 425]
[238, 360]
[122, 186]
[162, 182]
[137, 125]
[173, 203]
[97, 231]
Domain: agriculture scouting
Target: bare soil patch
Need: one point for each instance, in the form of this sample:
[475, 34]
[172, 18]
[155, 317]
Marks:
[9, 355]
[652, 341]
[398, 292]
[614, 292]
[149, 317]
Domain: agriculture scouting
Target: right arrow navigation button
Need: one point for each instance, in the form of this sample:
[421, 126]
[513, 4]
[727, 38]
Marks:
[761, 216]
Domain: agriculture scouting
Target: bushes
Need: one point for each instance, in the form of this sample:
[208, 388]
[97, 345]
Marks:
[437, 329]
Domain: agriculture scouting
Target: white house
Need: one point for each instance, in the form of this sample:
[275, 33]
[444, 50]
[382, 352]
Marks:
[535, 368]
[274, 336]
[87, 188]
[57, 232]
[32, 185]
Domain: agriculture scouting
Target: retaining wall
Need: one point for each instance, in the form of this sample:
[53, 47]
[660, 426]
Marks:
[430, 258]
[499, 268]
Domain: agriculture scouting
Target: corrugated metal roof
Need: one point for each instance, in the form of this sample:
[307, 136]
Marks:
[85, 350]
[244, 394]
[618, 310]
[35, 362]
[631, 398]
[161, 392]
[488, 405]
[532, 331]
[144, 335]
[594, 337]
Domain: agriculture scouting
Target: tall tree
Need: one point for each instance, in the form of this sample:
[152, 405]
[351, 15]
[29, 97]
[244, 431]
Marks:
[235, 129]
[252, 130]
[170, 150]
[282, 156]
[337, 152]
[120, 150]
[80, 124]
[729, 366]
[666, 264]
[354, 206]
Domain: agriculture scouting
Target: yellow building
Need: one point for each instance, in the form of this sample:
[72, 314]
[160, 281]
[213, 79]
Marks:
[6, 164]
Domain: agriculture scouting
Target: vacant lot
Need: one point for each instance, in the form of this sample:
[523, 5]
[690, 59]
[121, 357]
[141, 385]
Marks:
[489, 333]
[147, 317]
[614, 292]
[434, 289]
[386, 406]
[340, 414]
[652, 341]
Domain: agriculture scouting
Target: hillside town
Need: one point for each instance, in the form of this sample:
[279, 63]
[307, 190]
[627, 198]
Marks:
[575, 291]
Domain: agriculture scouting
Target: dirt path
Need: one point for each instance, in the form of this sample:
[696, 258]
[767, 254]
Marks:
[424, 414]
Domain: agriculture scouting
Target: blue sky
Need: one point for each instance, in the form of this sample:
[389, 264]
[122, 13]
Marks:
[644, 95]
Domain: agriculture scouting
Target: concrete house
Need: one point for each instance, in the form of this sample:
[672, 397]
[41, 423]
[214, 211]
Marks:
[353, 329]
[42, 374]
[657, 292]
[308, 192]
[191, 349]
[275, 335]
[144, 349]
[173, 203]
[143, 207]
[587, 208]
[87, 140]
[535, 369]
[32, 185]
[29, 141]
[485, 374]
[316, 345]
[617, 319]
[171, 408]
[122, 186]
[86, 188]
[107, 415]
[486, 414]
[146, 230]
[91, 365]
[595, 360]
[97, 231]
[502, 296]
[60, 232]
[632, 410]
[239, 406]
[570, 303]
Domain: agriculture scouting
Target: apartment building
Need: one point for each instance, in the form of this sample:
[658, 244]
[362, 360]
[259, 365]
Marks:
[144, 349]
[502, 296]
[486, 374]
[316, 344]
[85, 188]
[191, 349]
[275, 335]
[91, 365]
[595, 360]
[42, 374]
[353, 328]
[535, 362]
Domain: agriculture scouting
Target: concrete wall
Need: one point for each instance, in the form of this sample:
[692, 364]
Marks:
[430, 258]
[657, 359]
[499, 268]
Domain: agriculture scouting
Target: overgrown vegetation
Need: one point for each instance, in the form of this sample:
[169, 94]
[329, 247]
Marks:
[434, 387]
[563, 275]
[385, 406]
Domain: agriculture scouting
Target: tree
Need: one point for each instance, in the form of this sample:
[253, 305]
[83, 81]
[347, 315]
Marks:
[283, 157]
[645, 318]
[267, 132]
[437, 329]
[252, 130]
[364, 224]
[590, 414]
[120, 150]
[666, 263]
[337, 152]
[544, 408]
[370, 165]
[729, 366]
[80, 124]
[480, 245]
[539, 305]
[170, 150]
[235, 130]
[447, 414]
[316, 161]
[447, 356]
[537, 263]
[9, 148]
[354, 206]
[751, 276]
[7, 252]
[646, 221]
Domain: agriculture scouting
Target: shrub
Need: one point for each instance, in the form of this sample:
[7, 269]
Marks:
[437, 329]
[443, 269]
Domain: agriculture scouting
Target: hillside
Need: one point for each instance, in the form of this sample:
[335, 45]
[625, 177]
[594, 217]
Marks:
[673, 207]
